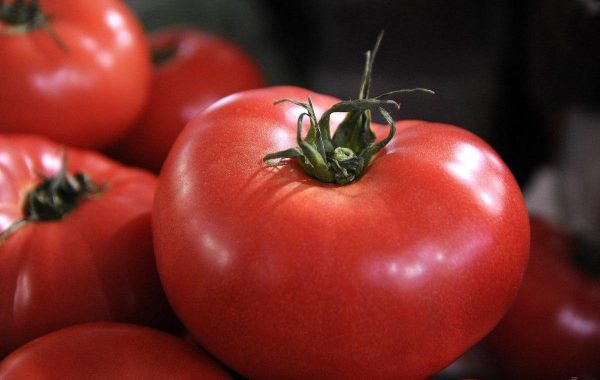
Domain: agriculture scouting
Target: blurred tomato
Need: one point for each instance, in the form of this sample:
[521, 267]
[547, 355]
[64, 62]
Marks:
[192, 69]
[110, 351]
[552, 331]
[83, 247]
[75, 71]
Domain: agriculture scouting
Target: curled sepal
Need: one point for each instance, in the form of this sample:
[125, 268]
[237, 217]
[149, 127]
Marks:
[340, 161]
[318, 155]
[343, 158]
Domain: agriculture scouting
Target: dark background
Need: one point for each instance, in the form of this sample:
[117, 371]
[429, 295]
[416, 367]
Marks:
[505, 70]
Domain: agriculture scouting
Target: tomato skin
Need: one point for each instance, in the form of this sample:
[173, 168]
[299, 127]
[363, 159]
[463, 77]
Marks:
[95, 264]
[109, 351]
[86, 96]
[283, 277]
[203, 69]
[552, 331]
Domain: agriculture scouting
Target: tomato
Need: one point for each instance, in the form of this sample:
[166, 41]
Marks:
[109, 351]
[77, 72]
[192, 69]
[283, 276]
[93, 262]
[552, 331]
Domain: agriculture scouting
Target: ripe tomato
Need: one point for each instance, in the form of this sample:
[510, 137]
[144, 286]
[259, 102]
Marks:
[96, 263]
[282, 276]
[191, 70]
[77, 72]
[552, 331]
[109, 351]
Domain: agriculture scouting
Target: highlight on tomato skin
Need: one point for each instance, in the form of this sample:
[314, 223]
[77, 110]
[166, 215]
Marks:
[105, 350]
[75, 241]
[551, 330]
[191, 70]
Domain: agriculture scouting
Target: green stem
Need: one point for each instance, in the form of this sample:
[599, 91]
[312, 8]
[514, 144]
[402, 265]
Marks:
[343, 158]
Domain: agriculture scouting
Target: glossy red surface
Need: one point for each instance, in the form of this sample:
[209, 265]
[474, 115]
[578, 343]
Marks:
[553, 329]
[110, 351]
[85, 96]
[95, 264]
[281, 276]
[199, 70]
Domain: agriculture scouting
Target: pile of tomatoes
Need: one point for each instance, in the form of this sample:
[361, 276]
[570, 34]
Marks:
[226, 264]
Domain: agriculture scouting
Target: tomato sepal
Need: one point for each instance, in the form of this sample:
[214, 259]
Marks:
[343, 158]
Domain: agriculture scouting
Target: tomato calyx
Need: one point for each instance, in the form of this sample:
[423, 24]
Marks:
[22, 16]
[586, 254]
[54, 198]
[342, 158]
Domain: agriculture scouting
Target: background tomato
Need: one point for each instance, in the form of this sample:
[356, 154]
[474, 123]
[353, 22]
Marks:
[82, 82]
[281, 276]
[552, 331]
[192, 69]
[109, 351]
[96, 263]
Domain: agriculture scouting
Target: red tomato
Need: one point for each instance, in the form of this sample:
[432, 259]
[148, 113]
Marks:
[96, 263]
[192, 70]
[282, 276]
[80, 75]
[109, 351]
[553, 329]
